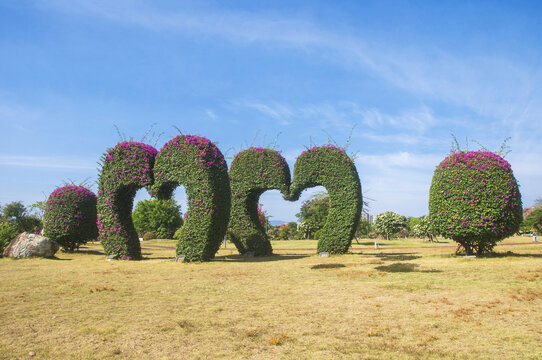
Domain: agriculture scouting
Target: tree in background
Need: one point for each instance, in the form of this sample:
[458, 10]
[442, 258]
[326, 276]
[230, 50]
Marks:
[14, 219]
[313, 214]
[284, 232]
[39, 208]
[389, 224]
[364, 229]
[162, 217]
[422, 228]
[533, 221]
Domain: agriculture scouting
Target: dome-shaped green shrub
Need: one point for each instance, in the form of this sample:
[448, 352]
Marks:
[126, 168]
[198, 165]
[70, 216]
[475, 200]
[252, 172]
[331, 167]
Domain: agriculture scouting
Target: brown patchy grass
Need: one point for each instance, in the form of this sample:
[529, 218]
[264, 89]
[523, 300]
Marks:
[379, 304]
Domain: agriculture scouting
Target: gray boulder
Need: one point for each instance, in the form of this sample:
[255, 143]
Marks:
[26, 245]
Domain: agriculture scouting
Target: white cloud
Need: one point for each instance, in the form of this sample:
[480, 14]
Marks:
[390, 162]
[279, 112]
[211, 114]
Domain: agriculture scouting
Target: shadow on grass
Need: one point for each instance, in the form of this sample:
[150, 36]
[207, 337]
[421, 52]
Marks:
[397, 256]
[145, 258]
[508, 254]
[404, 267]
[364, 243]
[58, 259]
[241, 258]
[327, 266]
[90, 252]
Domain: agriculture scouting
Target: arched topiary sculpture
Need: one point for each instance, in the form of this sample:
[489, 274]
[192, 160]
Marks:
[126, 168]
[331, 167]
[474, 199]
[198, 165]
[252, 172]
[70, 216]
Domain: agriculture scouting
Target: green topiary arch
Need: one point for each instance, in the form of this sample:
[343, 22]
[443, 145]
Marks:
[126, 168]
[330, 166]
[70, 216]
[475, 200]
[198, 165]
[252, 172]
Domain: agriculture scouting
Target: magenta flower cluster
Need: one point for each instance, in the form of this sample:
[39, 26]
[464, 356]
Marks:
[70, 216]
[127, 167]
[475, 198]
[196, 163]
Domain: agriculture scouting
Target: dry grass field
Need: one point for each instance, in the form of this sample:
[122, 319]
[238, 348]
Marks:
[407, 300]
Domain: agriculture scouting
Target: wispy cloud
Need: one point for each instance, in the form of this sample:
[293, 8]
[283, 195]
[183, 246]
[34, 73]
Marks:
[15, 116]
[211, 114]
[44, 162]
[389, 162]
[490, 86]
[279, 112]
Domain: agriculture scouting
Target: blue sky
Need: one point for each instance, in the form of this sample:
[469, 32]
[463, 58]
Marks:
[402, 75]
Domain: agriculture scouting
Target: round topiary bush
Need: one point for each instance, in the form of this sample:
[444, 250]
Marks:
[475, 200]
[70, 217]
[330, 166]
[252, 172]
[126, 168]
[198, 165]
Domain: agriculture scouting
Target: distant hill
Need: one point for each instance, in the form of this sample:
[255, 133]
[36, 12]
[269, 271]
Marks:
[277, 222]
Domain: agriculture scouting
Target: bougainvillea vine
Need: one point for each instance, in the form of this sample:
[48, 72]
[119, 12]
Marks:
[252, 172]
[197, 164]
[126, 168]
[70, 216]
[331, 167]
[475, 200]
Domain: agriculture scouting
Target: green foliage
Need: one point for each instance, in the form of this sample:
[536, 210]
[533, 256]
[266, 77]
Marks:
[252, 172]
[126, 168]
[70, 217]
[160, 216]
[364, 229]
[14, 219]
[330, 166]
[8, 231]
[422, 228]
[199, 166]
[39, 208]
[533, 222]
[149, 235]
[389, 223]
[14, 211]
[313, 214]
[287, 231]
[475, 200]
